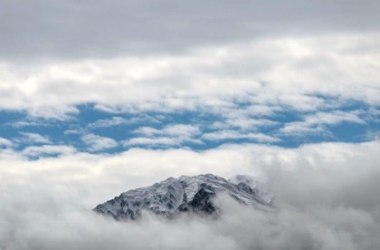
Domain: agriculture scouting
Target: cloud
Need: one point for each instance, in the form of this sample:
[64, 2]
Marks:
[181, 130]
[314, 209]
[47, 150]
[170, 135]
[242, 118]
[34, 138]
[104, 123]
[231, 134]
[5, 142]
[159, 141]
[314, 123]
[303, 71]
[63, 30]
[98, 143]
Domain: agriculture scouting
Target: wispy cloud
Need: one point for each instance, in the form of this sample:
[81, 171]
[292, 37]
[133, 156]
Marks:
[315, 123]
[98, 143]
[47, 150]
[170, 135]
[149, 141]
[5, 142]
[104, 123]
[235, 135]
[34, 138]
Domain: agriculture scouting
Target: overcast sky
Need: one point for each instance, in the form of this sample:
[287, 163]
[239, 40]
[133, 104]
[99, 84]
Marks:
[97, 97]
[103, 29]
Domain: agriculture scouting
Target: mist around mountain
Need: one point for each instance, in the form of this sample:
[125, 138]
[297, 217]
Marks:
[186, 194]
[326, 198]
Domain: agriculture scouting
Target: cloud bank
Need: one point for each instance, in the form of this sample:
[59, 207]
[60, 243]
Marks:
[208, 78]
[326, 198]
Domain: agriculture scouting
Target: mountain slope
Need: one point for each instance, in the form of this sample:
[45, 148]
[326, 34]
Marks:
[185, 194]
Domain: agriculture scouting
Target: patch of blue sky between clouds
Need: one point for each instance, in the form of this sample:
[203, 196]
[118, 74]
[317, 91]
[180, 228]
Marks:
[98, 131]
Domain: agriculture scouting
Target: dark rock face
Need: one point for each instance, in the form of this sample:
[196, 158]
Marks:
[202, 201]
[185, 194]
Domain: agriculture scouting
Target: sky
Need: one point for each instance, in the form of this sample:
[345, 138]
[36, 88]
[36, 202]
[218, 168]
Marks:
[97, 97]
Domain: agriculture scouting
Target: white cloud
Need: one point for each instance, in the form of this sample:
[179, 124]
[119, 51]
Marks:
[303, 129]
[29, 122]
[315, 123]
[170, 135]
[262, 110]
[232, 134]
[247, 116]
[181, 130]
[208, 78]
[75, 130]
[155, 141]
[147, 131]
[103, 123]
[334, 118]
[34, 138]
[372, 135]
[47, 150]
[5, 142]
[326, 194]
[339, 159]
[98, 143]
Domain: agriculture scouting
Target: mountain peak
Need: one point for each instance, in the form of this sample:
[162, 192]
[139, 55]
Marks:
[185, 194]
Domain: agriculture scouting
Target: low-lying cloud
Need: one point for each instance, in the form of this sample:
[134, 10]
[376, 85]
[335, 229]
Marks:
[326, 198]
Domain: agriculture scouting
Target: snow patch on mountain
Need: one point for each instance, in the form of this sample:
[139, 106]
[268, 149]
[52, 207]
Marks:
[186, 194]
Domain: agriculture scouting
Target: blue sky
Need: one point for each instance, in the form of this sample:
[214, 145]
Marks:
[95, 130]
[286, 91]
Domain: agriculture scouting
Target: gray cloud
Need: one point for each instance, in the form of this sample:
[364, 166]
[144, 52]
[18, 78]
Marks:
[46, 29]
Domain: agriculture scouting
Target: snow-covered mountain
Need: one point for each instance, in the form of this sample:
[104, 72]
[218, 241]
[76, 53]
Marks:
[185, 194]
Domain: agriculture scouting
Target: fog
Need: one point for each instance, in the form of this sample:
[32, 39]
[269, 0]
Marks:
[326, 198]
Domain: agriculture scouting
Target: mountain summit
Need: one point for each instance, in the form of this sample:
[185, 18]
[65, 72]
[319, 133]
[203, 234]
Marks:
[185, 194]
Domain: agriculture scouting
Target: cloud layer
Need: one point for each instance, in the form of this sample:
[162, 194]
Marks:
[264, 91]
[294, 72]
[45, 29]
[326, 198]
